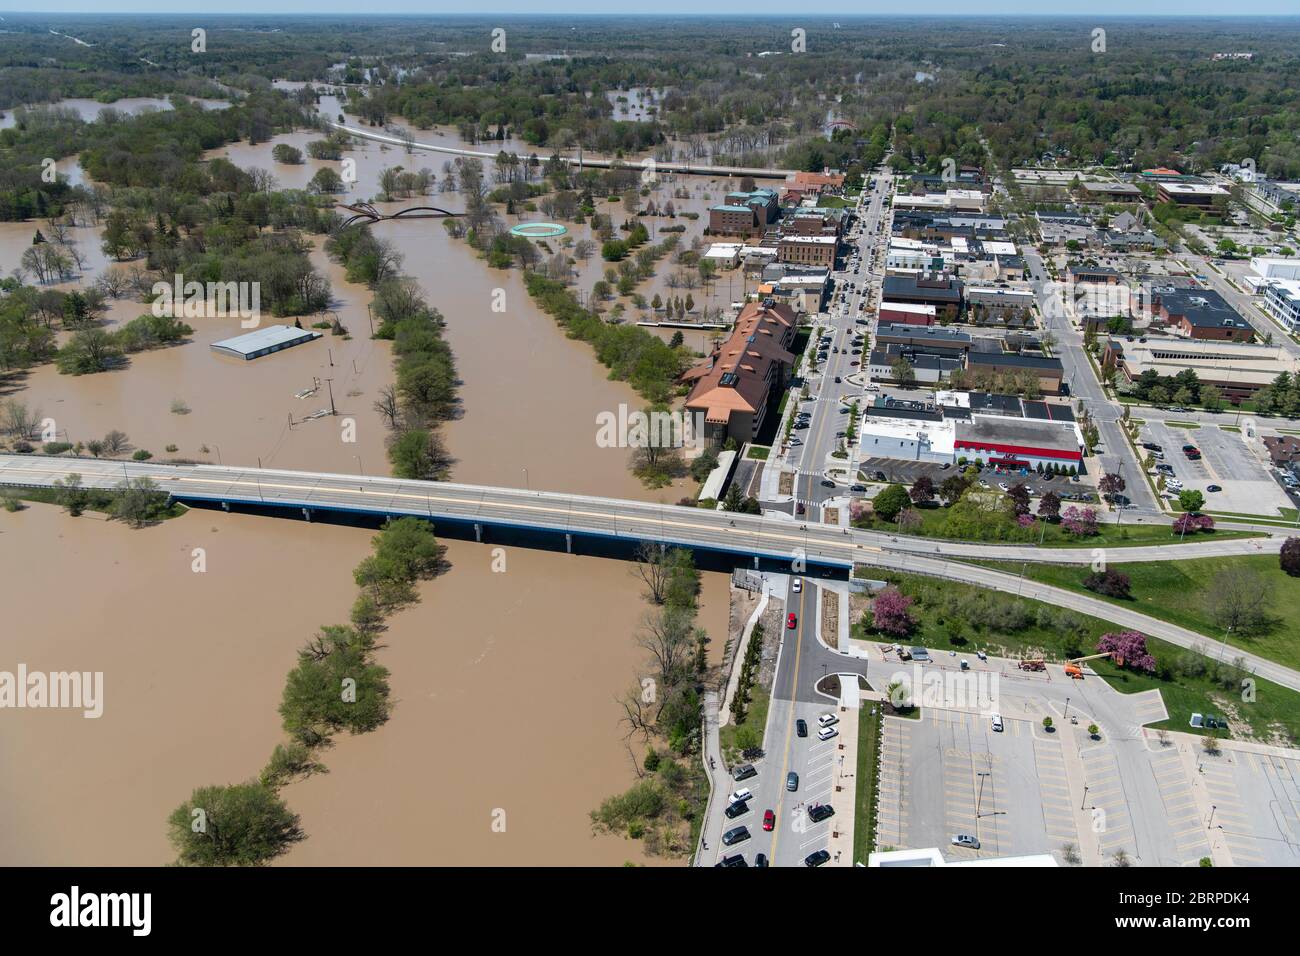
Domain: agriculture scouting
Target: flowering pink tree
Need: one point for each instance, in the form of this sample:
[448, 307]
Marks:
[891, 614]
[1189, 522]
[1081, 522]
[1129, 649]
[1025, 521]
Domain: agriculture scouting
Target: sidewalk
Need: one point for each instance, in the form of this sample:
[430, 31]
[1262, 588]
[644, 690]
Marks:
[733, 679]
[719, 783]
[844, 794]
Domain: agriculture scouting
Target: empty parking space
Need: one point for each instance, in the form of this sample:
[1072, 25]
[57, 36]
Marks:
[1246, 487]
[1255, 809]
[1107, 803]
[1180, 810]
[950, 773]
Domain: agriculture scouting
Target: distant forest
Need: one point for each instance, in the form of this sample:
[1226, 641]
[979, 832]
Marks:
[939, 88]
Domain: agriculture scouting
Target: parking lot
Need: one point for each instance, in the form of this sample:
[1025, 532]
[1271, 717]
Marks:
[949, 773]
[1255, 806]
[1247, 487]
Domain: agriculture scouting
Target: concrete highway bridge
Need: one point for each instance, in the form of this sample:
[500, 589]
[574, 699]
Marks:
[607, 526]
[695, 169]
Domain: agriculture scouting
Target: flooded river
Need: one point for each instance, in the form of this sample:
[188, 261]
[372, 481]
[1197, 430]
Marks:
[505, 682]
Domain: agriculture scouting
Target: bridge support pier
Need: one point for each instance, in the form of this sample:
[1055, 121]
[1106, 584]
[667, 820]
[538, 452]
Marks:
[755, 562]
[478, 532]
[306, 513]
[225, 506]
[568, 543]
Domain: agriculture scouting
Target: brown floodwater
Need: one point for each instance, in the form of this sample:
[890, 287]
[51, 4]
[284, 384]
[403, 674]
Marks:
[505, 682]
[504, 686]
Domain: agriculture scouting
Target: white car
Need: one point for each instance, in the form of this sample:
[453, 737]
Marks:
[826, 720]
[826, 733]
[966, 840]
[996, 720]
[797, 586]
[741, 795]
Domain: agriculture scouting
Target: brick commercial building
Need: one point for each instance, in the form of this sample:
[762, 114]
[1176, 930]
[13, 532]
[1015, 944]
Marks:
[937, 289]
[1047, 370]
[906, 313]
[808, 250]
[744, 214]
[1200, 314]
[734, 388]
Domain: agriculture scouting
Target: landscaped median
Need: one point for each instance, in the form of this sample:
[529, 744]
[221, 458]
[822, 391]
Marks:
[968, 618]
[868, 781]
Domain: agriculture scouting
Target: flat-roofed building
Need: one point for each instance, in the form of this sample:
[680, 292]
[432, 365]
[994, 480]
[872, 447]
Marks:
[808, 250]
[907, 313]
[933, 338]
[1237, 369]
[744, 213]
[1200, 314]
[272, 338]
[1013, 443]
[1123, 192]
[1282, 301]
[940, 290]
[734, 388]
[1189, 194]
[1047, 370]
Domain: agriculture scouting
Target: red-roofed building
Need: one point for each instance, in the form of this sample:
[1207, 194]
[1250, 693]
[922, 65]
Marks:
[734, 386]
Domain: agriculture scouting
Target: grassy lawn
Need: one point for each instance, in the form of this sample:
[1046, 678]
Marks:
[759, 451]
[933, 521]
[1172, 591]
[1173, 424]
[733, 737]
[967, 618]
[864, 813]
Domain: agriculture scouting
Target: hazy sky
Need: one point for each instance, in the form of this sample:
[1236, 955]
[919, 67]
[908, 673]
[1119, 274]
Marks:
[1087, 8]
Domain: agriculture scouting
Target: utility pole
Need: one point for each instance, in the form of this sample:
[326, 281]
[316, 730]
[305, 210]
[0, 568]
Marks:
[330, 383]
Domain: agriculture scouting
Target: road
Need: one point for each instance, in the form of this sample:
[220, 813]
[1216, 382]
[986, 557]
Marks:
[696, 169]
[1115, 454]
[812, 457]
[773, 535]
[802, 662]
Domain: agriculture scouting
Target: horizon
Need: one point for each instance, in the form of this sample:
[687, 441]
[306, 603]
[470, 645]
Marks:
[669, 9]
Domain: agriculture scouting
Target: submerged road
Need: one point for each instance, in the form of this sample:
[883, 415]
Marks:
[697, 169]
[754, 536]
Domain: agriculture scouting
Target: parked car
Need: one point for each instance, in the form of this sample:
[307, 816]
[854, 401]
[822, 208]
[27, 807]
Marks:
[816, 859]
[735, 835]
[996, 721]
[1213, 488]
[826, 720]
[735, 859]
[820, 811]
[966, 840]
[826, 733]
[736, 809]
[741, 795]
[743, 772]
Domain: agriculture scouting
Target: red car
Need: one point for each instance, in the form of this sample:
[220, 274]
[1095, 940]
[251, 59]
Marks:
[769, 820]
[791, 620]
